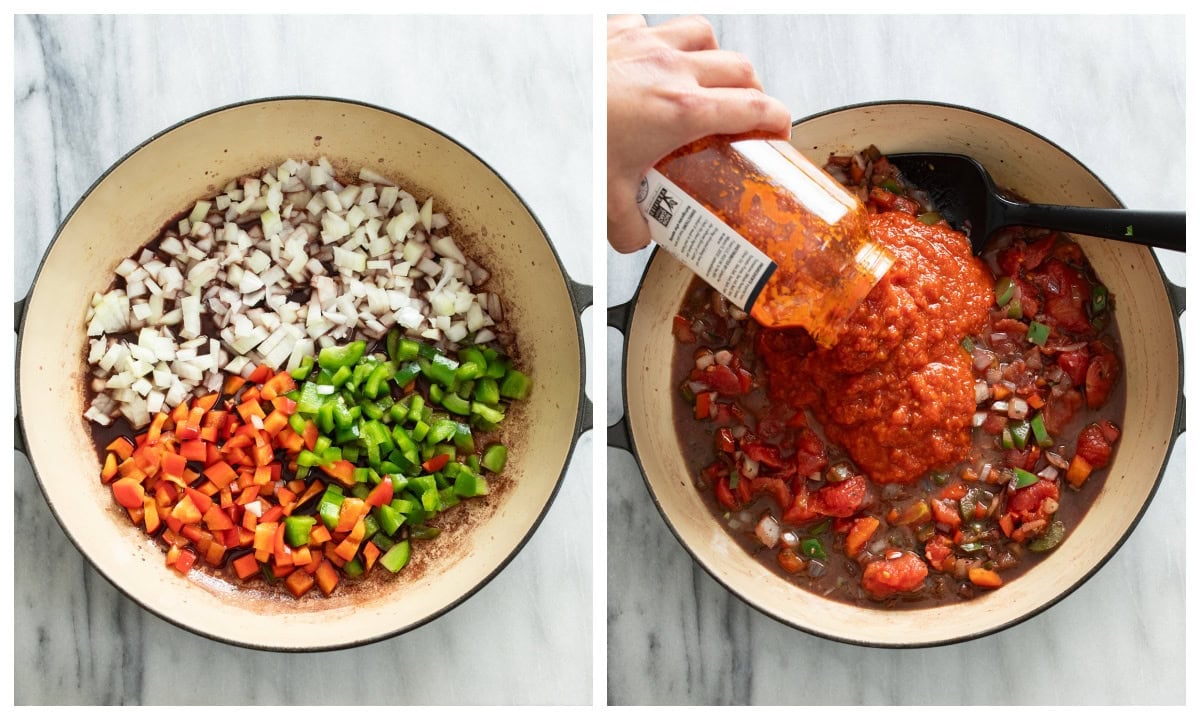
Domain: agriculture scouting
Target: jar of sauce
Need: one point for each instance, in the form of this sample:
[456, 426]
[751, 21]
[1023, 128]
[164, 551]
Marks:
[767, 228]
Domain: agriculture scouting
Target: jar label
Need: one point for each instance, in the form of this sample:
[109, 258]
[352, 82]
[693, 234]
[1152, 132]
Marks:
[702, 241]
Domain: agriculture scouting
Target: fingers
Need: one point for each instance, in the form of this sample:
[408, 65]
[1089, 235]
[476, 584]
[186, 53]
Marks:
[732, 111]
[687, 33]
[617, 23]
[723, 68]
[627, 228]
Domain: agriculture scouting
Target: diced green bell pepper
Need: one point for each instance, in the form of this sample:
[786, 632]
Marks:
[296, 529]
[330, 506]
[334, 357]
[397, 557]
[515, 385]
[494, 458]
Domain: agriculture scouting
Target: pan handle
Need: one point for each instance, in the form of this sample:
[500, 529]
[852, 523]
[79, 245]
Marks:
[1177, 295]
[581, 299]
[18, 431]
[618, 432]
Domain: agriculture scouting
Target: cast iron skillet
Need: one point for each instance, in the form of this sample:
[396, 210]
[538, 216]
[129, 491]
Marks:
[1148, 307]
[164, 176]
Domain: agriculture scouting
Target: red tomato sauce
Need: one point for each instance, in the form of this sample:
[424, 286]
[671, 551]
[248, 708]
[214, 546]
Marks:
[897, 390]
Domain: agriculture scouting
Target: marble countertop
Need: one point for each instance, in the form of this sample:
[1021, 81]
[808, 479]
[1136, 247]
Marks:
[1111, 91]
[513, 89]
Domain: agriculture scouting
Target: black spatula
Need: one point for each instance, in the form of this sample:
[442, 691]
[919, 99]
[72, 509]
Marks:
[963, 192]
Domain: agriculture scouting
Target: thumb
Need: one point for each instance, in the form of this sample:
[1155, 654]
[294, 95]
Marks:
[627, 228]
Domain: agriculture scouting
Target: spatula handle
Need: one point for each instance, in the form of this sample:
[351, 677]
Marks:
[1151, 228]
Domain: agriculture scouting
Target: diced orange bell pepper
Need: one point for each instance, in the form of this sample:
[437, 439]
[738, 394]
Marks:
[311, 433]
[129, 493]
[860, 532]
[173, 466]
[275, 423]
[319, 535]
[207, 402]
[299, 582]
[110, 468]
[283, 551]
[984, 577]
[279, 384]
[194, 450]
[122, 447]
[370, 555]
[249, 409]
[1078, 471]
[214, 554]
[220, 474]
[150, 515]
[352, 510]
[246, 566]
[233, 384]
[301, 556]
[341, 470]
[327, 577]
[216, 519]
[186, 512]
[264, 540]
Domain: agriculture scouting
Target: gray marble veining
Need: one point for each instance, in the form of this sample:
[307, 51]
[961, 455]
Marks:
[516, 90]
[1110, 90]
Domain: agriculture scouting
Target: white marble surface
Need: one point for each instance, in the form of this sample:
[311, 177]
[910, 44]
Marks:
[516, 90]
[1111, 91]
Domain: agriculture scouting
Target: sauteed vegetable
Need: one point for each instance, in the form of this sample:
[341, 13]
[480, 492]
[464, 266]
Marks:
[297, 378]
[957, 431]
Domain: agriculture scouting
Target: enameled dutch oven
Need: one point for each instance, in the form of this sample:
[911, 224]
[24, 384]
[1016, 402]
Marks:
[1147, 310]
[128, 206]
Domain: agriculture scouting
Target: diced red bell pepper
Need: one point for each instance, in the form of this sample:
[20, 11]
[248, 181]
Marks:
[285, 405]
[435, 463]
[261, 373]
[381, 494]
[724, 440]
[722, 379]
[200, 500]
[187, 558]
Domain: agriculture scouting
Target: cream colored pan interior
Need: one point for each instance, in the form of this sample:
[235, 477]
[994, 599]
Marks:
[1038, 170]
[128, 207]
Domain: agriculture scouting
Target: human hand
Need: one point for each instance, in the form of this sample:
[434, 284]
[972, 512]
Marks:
[669, 85]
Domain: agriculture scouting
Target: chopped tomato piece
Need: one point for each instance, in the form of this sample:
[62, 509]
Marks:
[1102, 373]
[902, 573]
[1094, 444]
[841, 499]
